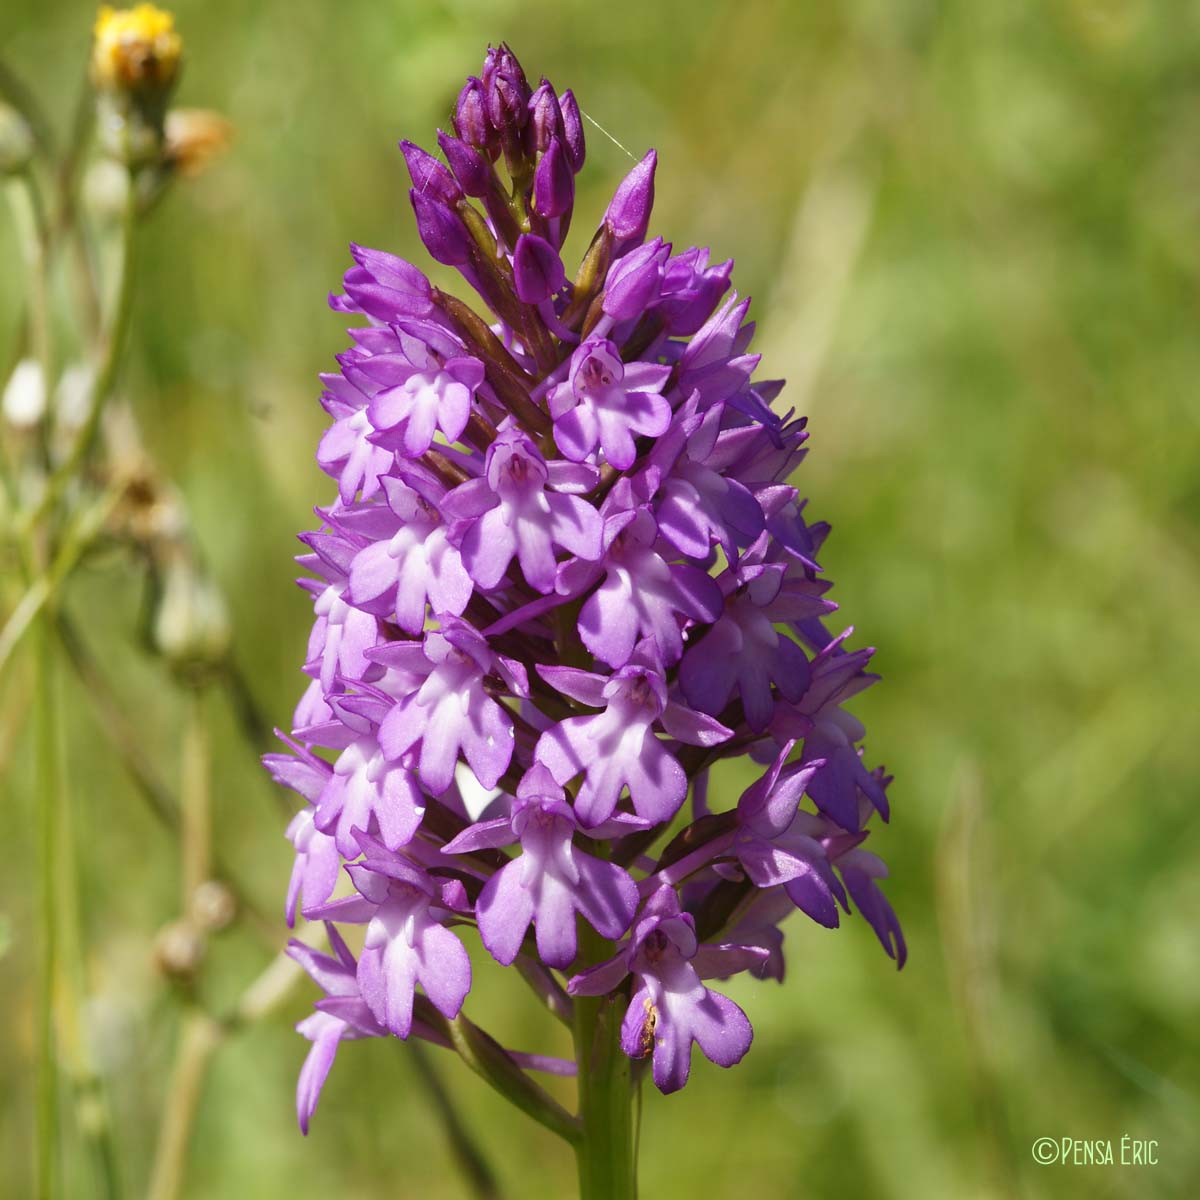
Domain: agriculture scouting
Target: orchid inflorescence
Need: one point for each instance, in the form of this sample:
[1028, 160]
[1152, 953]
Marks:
[564, 576]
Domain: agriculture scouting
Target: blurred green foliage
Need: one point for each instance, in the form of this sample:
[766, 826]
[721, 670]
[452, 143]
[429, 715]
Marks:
[972, 231]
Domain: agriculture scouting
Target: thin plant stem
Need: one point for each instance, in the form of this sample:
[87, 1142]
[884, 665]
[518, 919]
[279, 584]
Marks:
[33, 235]
[126, 741]
[466, 1153]
[75, 541]
[199, 1034]
[47, 1178]
[67, 222]
[195, 835]
[92, 1116]
[198, 1040]
[106, 373]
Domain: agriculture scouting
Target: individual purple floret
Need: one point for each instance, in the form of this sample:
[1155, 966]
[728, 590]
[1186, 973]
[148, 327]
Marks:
[408, 561]
[670, 1007]
[427, 386]
[511, 511]
[405, 945]
[607, 402]
[645, 592]
[617, 749]
[450, 711]
[549, 882]
[564, 575]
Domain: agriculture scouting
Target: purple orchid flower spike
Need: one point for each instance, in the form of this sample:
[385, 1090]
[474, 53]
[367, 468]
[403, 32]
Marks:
[670, 1007]
[566, 575]
[549, 882]
[523, 507]
[617, 749]
[606, 402]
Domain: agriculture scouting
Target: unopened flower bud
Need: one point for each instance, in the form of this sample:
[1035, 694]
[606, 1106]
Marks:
[441, 229]
[506, 90]
[573, 130]
[213, 906]
[628, 214]
[179, 950]
[537, 269]
[430, 177]
[545, 119]
[471, 122]
[24, 401]
[553, 183]
[470, 168]
[16, 141]
[191, 628]
[506, 98]
[106, 190]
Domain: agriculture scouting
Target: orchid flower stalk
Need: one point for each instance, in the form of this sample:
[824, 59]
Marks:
[562, 577]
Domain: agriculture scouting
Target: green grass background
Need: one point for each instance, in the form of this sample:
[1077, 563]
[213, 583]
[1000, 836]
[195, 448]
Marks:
[972, 234]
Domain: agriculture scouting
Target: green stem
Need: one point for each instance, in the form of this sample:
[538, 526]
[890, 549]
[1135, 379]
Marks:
[84, 527]
[195, 833]
[46, 752]
[92, 1116]
[200, 1034]
[33, 236]
[198, 1041]
[124, 737]
[106, 373]
[606, 1153]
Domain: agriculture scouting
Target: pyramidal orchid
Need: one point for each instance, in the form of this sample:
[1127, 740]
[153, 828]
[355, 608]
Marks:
[563, 575]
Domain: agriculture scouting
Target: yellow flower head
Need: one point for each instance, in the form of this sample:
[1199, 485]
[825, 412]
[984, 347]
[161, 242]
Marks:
[135, 48]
